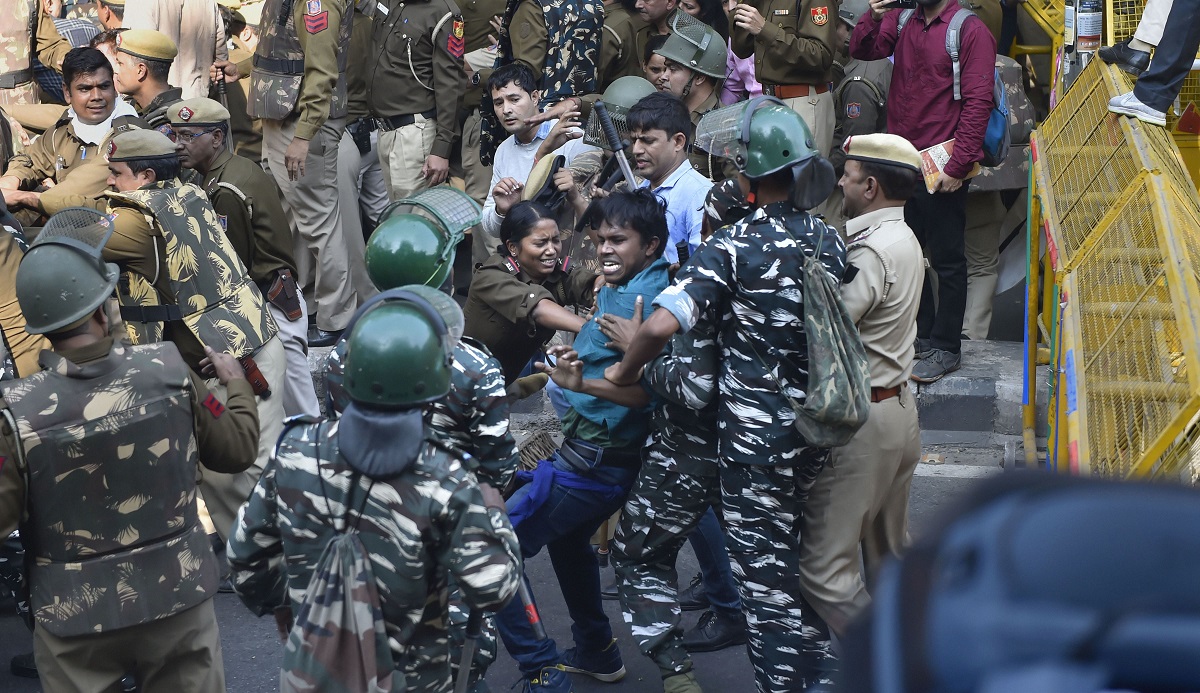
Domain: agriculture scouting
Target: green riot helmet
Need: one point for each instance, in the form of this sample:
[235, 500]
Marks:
[416, 238]
[63, 279]
[398, 354]
[697, 47]
[618, 98]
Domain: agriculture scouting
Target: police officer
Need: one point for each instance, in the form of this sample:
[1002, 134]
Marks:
[293, 89]
[183, 282]
[123, 575]
[247, 205]
[766, 464]
[695, 68]
[479, 57]
[861, 496]
[18, 21]
[793, 46]
[242, 30]
[407, 490]
[144, 58]
[618, 48]
[415, 90]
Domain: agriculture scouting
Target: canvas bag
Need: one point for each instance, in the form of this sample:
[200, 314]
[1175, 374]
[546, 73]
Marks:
[339, 642]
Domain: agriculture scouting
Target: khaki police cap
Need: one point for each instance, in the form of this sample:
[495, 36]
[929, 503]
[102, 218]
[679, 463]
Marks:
[111, 3]
[147, 43]
[893, 150]
[138, 145]
[199, 112]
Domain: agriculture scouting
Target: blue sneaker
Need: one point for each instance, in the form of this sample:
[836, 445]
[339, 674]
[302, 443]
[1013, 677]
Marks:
[604, 665]
[548, 680]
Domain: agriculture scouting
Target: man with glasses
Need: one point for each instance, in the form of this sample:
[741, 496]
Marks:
[247, 205]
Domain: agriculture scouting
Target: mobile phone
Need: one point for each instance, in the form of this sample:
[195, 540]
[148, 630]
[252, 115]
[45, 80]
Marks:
[902, 4]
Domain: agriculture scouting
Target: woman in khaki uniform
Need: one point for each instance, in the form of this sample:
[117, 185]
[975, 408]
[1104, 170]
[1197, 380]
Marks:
[519, 296]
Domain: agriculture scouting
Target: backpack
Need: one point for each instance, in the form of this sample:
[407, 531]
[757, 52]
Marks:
[339, 641]
[996, 139]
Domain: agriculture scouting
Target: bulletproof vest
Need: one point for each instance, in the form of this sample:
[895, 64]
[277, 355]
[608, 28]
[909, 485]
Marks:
[214, 296]
[110, 467]
[17, 23]
[279, 60]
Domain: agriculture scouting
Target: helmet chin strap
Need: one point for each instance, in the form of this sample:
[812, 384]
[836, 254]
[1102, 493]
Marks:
[687, 88]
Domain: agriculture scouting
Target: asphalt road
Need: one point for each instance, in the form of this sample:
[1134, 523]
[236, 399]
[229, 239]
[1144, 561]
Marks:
[252, 650]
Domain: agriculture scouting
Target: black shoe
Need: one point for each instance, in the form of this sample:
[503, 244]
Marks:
[225, 586]
[320, 338]
[22, 665]
[692, 597]
[1130, 60]
[715, 632]
[610, 591]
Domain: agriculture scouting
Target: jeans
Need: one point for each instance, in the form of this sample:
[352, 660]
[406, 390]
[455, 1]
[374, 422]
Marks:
[939, 222]
[565, 525]
[1173, 57]
[708, 541]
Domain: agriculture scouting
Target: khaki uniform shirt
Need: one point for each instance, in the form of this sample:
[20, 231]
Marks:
[79, 173]
[860, 104]
[229, 435]
[619, 56]
[883, 297]
[721, 168]
[252, 215]
[321, 71]
[796, 43]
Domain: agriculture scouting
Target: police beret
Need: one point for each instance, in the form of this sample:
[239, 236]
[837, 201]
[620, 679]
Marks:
[893, 150]
[199, 111]
[137, 145]
[147, 43]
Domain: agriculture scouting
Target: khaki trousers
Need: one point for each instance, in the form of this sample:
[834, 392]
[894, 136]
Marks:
[985, 213]
[299, 395]
[817, 112]
[322, 230]
[1154, 20]
[224, 493]
[859, 499]
[171, 655]
[402, 154]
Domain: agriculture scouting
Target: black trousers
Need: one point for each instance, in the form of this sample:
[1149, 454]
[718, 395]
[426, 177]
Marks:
[939, 222]
[1172, 58]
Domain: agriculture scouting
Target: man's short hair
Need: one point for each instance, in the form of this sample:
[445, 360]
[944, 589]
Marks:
[84, 61]
[159, 70]
[107, 36]
[517, 73]
[896, 182]
[117, 10]
[164, 168]
[660, 111]
[640, 210]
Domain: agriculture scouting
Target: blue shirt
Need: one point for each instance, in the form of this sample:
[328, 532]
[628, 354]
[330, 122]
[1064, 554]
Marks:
[683, 193]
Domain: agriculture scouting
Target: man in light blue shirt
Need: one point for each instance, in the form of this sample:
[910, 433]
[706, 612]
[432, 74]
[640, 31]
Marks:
[660, 129]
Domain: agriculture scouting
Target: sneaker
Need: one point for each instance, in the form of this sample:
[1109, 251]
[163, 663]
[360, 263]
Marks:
[1128, 104]
[715, 632]
[548, 680]
[921, 349]
[605, 665]
[1130, 60]
[692, 598]
[939, 362]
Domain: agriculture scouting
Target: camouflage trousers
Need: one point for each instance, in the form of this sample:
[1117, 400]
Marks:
[661, 511]
[485, 647]
[789, 644]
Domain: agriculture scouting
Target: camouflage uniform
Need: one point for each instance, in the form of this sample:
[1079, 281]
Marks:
[751, 270]
[422, 528]
[122, 575]
[18, 18]
[676, 485]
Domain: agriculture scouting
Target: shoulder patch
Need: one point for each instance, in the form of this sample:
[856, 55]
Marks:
[454, 42]
[820, 15]
[316, 23]
[213, 405]
[853, 109]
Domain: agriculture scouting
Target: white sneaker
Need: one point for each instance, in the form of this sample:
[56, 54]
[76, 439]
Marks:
[1128, 104]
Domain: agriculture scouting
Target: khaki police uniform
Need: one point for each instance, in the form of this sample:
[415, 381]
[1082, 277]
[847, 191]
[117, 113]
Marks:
[80, 174]
[360, 177]
[860, 106]
[861, 496]
[415, 82]
[152, 45]
[618, 47]
[793, 57]
[298, 88]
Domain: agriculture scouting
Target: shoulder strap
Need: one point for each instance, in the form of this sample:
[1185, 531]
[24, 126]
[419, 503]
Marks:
[904, 17]
[224, 185]
[617, 37]
[889, 277]
[840, 90]
[954, 43]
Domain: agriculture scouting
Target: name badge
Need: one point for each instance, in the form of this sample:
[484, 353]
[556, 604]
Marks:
[382, 8]
[778, 13]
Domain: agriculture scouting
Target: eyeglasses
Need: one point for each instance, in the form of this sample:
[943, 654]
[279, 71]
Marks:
[189, 137]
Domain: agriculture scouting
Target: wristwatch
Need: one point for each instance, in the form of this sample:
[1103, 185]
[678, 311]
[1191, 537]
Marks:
[474, 79]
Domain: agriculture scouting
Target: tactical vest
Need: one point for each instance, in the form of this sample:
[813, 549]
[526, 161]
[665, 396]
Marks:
[214, 296]
[110, 466]
[279, 60]
[17, 24]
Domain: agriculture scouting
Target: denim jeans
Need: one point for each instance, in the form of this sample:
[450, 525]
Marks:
[708, 541]
[565, 525]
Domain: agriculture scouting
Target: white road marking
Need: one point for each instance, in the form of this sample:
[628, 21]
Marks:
[957, 471]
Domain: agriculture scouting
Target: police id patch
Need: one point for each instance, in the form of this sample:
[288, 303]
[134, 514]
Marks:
[454, 42]
[853, 109]
[820, 15]
[314, 7]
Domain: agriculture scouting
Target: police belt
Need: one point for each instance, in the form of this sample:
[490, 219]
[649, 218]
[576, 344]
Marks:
[794, 91]
[582, 457]
[879, 394]
[281, 65]
[389, 123]
[11, 80]
[151, 313]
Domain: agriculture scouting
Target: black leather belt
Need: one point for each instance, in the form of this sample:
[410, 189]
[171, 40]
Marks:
[389, 123]
[151, 313]
[583, 457]
[11, 80]
[287, 67]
